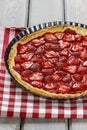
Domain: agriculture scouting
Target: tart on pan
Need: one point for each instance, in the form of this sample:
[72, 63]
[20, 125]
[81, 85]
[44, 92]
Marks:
[51, 62]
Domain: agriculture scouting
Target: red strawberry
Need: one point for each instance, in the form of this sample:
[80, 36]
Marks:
[26, 73]
[26, 65]
[63, 44]
[36, 76]
[73, 61]
[56, 77]
[37, 84]
[63, 88]
[47, 64]
[85, 38]
[27, 56]
[83, 54]
[50, 54]
[67, 78]
[84, 43]
[18, 59]
[47, 71]
[59, 35]
[49, 86]
[31, 48]
[85, 63]
[37, 58]
[82, 69]
[78, 38]
[35, 67]
[77, 86]
[40, 50]
[69, 37]
[17, 68]
[77, 47]
[64, 52]
[22, 48]
[49, 37]
[71, 69]
[48, 79]
[78, 77]
[37, 42]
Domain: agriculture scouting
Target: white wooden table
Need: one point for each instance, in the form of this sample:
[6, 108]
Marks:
[23, 13]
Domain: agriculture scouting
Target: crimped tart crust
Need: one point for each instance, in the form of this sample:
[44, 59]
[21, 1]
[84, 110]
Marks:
[27, 38]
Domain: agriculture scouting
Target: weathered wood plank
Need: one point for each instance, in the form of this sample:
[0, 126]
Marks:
[13, 12]
[44, 11]
[78, 124]
[76, 11]
[9, 124]
[41, 124]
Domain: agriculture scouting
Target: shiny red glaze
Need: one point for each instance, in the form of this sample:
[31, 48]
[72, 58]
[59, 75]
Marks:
[55, 62]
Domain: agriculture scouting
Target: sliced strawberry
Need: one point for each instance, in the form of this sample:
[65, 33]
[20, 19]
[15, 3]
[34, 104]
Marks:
[82, 69]
[67, 78]
[47, 46]
[49, 37]
[73, 61]
[26, 65]
[36, 76]
[56, 77]
[31, 48]
[26, 73]
[63, 44]
[77, 87]
[76, 47]
[47, 79]
[78, 38]
[50, 54]
[85, 38]
[62, 59]
[47, 64]
[78, 77]
[59, 35]
[71, 69]
[60, 65]
[22, 48]
[37, 84]
[27, 56]
[83, 54]
[49, 86]
[69, 37]
[25, 79]
[47, 71]
[35, 67]
[64, 52]
[17, 68]
[37, 42]
[63, 88]
[37, 58]
[18, 59]
[85, 63]
[40, 50]
[84, 43]
[69, 31]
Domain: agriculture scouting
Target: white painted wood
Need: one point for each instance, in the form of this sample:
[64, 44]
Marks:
[9, 124]
[78, 124]
[13, 12]
[44, 124]
[76, 11]
[44, 11]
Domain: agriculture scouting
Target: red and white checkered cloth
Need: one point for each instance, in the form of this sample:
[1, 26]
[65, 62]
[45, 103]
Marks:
[15, 102]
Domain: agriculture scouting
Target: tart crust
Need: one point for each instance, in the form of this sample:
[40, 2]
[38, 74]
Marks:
[27, 86]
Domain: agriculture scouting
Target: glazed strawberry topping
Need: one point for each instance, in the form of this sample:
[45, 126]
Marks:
[55, 62]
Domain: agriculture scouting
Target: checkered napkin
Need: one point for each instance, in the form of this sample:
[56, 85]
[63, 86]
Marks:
[15, 102]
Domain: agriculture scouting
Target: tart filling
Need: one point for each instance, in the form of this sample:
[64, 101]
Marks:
[52, 62]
